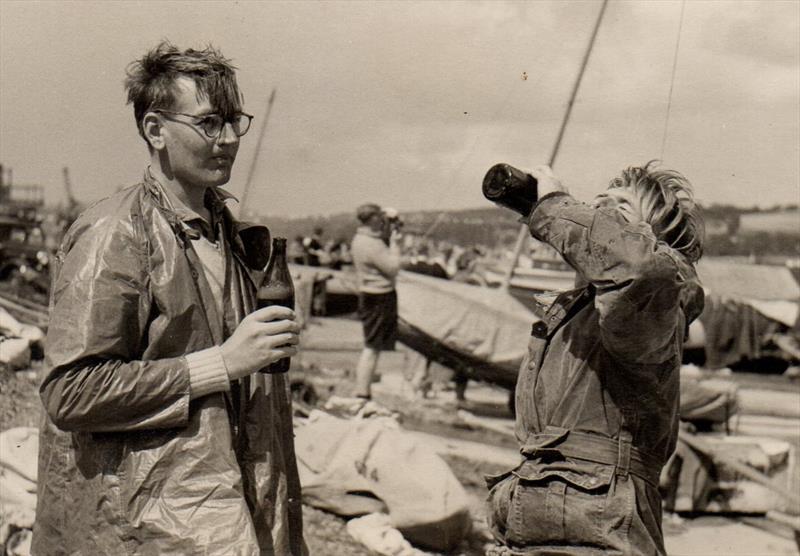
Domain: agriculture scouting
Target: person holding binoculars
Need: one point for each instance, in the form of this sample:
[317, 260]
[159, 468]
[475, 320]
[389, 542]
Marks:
[376, 257]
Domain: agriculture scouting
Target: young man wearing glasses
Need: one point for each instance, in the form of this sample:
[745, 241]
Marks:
[161, 436]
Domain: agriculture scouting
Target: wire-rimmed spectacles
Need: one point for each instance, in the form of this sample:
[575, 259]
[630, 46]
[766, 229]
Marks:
[212, 124]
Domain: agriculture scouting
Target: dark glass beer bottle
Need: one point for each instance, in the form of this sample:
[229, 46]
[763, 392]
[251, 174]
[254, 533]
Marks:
[277, 289]
[511, 188]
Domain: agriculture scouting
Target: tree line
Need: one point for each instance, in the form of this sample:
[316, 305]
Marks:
[493, 227]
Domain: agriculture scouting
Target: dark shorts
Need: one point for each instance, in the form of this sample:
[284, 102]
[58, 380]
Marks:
[378, 314]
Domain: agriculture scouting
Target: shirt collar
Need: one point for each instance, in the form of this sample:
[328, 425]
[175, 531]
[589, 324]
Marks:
[214, 200]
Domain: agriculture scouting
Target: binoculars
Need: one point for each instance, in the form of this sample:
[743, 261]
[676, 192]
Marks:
[511, 188]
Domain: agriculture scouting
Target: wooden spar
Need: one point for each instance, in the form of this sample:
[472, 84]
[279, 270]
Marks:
[25, 311]
[251, 171]
[523, 231]
[740, 467]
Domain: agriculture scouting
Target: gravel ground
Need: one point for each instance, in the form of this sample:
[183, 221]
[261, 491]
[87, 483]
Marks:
[325, 533]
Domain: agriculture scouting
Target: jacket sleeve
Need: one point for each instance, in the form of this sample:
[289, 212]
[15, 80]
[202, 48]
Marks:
[638, 279]
[100, 308]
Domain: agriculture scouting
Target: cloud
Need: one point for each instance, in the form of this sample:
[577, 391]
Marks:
[765, 32]
[409, 103]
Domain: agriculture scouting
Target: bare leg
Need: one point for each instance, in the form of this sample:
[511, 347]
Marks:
[365, 370]
[461, 381]
[420, 382]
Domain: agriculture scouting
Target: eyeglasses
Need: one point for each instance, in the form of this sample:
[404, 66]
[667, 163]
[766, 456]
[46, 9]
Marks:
[212, 124]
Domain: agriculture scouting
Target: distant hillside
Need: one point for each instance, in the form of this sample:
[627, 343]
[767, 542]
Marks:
[786, 221]
[485, 226]
[730, 230]
[757, 233]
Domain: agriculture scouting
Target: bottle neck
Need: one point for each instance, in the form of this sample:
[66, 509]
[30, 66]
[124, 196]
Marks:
[278, 268]
[279, 247]
[277, 285]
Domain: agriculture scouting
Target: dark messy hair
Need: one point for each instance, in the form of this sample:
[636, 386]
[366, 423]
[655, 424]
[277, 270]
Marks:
[150, 81]
[667, 204]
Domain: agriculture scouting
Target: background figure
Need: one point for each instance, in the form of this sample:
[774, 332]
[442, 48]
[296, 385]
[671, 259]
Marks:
[597, 395]
[339, 254]
[376, 257]
[312, 246]
[161, 436]
[467, 269]
[314, 254]
[295, 252]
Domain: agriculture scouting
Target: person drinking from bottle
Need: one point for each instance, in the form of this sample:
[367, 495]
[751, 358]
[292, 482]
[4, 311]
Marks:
[160, 436]
[597, 395]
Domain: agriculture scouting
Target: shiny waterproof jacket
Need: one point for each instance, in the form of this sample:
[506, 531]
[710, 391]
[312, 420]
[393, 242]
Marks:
[129, 465]
[597, 396]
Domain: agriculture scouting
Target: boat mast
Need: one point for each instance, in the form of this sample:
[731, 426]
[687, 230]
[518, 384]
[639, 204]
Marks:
[523, 231]
[251, 171]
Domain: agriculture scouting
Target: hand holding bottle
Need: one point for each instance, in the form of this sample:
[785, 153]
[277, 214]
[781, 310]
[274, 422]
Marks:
[547, 181]
[264, 337]
[519, 189]
[277, 289]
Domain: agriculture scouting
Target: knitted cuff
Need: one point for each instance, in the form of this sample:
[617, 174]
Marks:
[207, 372]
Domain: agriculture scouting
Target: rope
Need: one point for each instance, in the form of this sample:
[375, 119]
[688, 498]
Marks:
[672, 80]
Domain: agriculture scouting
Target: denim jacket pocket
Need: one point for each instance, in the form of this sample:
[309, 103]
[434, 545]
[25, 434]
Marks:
[501, 489]
[557, 505]
[492, 480]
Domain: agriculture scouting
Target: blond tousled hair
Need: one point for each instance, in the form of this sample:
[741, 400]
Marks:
[667, 204]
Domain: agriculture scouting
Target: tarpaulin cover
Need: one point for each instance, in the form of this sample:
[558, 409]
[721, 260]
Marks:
[18, 475]
[478, 325]
[342, 461]
[485, 323]
[745, 305]
[712, 400]
[734, 330]
[736, 279]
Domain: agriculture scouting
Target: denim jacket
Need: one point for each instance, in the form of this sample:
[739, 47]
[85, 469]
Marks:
[597, 395]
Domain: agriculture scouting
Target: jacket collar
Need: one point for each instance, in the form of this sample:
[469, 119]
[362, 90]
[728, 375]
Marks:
[250, 242]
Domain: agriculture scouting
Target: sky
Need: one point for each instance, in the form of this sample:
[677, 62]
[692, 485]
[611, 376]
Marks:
[407, 104]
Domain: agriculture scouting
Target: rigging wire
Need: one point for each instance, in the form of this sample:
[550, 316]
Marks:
[522, 236]
[672, 80]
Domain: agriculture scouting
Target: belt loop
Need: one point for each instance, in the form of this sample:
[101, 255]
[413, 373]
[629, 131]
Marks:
[624, 453]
